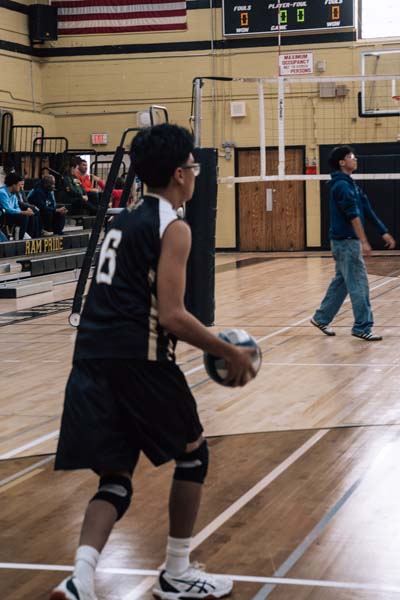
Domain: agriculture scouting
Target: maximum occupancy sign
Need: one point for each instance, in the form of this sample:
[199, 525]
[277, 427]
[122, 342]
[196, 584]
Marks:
[263, 16]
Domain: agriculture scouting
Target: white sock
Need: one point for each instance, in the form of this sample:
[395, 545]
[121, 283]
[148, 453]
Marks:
[86, 560]
[178, 551]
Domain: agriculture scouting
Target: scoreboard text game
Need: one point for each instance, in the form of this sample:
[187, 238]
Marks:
[260, 16]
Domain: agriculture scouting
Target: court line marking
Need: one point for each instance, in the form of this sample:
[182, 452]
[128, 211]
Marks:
[198, 539]
[54, 434]
[23, 472]
[297, 364]
[319, 528]
[244, 578]
[36, 442]
[310, 538]
[21, 479]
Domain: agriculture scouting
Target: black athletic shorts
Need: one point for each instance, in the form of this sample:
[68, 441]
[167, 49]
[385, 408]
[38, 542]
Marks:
[115, 408]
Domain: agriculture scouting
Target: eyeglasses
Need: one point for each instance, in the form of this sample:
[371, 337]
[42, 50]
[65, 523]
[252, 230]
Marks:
[195, 166]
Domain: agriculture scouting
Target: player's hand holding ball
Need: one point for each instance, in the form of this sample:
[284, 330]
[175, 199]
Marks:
[241, 362]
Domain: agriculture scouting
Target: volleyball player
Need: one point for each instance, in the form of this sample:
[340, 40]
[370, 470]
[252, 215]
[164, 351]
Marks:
[125, 393]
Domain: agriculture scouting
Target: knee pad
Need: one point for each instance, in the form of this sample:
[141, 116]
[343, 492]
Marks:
[117, 490]
[193, 466]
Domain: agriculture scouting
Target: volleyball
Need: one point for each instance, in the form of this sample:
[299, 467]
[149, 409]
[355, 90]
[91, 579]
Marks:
[216, 367]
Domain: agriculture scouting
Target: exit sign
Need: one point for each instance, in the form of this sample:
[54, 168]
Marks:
[99, 139]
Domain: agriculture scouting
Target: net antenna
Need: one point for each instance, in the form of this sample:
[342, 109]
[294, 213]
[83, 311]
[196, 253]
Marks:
[197, 100]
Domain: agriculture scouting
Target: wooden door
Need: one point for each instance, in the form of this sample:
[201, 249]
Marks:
[271, 215]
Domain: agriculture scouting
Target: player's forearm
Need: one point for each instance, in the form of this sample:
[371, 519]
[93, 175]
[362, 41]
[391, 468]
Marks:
[188, 329]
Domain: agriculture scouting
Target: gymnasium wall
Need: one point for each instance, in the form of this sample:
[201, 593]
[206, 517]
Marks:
[84, 84]
[21, 89]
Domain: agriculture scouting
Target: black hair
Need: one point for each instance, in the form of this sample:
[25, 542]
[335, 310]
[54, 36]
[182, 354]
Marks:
[338, 154]
[73, 162]
[157, 151]
[80, 160]
[119, 183]
[48, 179]
[12, 179]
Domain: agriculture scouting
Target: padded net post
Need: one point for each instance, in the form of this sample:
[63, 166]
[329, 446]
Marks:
[201, 214]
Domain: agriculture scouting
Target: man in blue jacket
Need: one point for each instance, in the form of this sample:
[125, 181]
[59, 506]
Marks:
[42, 196]
[13, 214]
[349, 206]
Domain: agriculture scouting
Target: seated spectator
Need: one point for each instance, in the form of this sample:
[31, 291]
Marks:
[116, 193]
[74, 193]
[86, 182]
[42, 197]
[35, 223]
[13, 215]
[44, 171]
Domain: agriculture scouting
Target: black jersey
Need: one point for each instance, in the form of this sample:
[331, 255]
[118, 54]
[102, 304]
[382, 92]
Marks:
[120, 316]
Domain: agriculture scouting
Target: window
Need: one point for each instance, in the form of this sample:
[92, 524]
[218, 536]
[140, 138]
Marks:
[380, 18]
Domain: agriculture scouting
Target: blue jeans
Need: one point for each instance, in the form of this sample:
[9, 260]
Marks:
[350, 278]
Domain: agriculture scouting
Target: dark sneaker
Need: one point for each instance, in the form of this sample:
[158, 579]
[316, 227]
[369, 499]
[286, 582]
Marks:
[71, 589]
[368, 337]
[324, 328]
[193, 583]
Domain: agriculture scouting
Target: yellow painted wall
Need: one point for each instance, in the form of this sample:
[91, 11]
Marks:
[76, 96]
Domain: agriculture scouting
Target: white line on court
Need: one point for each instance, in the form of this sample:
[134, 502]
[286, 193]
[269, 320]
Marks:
[36, 465]
[36, 442]
[147, 583]
[297, 364]
[244, 578]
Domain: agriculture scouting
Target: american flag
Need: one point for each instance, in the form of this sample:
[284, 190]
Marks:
[119, 16]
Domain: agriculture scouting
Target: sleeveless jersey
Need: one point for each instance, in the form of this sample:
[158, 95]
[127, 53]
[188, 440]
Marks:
[120, 316]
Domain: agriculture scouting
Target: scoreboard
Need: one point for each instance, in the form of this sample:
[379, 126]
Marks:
[264, 16]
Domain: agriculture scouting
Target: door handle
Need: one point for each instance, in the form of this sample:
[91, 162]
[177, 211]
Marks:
[268, 199]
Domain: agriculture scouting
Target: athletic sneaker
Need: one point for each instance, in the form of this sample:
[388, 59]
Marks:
[193, 583]
[324, 328]
[71, 589]
[368, 337]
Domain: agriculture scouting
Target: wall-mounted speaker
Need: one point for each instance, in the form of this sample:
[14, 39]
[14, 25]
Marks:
[42, 23]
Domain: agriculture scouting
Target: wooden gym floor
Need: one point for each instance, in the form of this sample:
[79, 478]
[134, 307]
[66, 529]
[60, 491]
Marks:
[301, 501]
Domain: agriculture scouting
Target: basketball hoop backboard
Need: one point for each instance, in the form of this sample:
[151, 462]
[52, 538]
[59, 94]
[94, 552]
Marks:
[380, 97]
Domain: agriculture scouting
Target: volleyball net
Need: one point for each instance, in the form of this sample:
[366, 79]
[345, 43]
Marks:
[310, 112]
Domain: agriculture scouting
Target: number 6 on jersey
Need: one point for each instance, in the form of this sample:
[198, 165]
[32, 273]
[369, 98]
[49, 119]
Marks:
[108, 252]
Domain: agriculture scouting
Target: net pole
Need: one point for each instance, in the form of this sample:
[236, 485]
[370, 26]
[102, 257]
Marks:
[281, 126]
[261, 109]
[198, 84]
[362, 70]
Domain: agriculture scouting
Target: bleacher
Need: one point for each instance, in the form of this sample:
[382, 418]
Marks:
[33, 266]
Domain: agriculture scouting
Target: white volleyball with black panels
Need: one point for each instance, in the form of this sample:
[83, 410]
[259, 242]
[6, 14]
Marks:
[216, 366]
